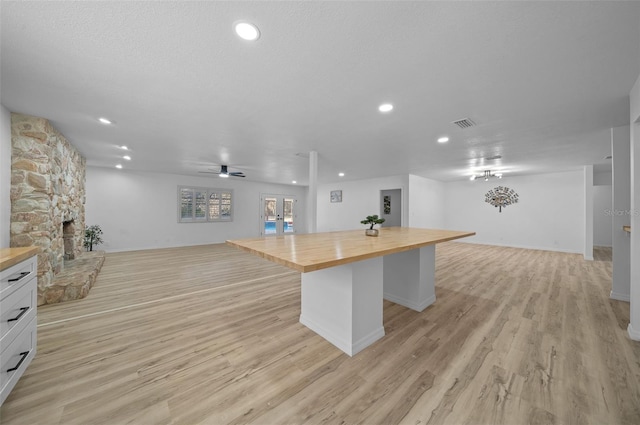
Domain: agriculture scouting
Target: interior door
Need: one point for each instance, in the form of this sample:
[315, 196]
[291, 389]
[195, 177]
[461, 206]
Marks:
[277, 214]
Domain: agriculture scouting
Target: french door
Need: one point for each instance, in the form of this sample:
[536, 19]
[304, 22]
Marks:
[277, 214]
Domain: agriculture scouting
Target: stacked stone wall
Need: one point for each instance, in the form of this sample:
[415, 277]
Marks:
[47, 189]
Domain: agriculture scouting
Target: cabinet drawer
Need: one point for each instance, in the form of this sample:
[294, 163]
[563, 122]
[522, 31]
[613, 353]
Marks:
[16, 311]
[16, 357]
[14, 276]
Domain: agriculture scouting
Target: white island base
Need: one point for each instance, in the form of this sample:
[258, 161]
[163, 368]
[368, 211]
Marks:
[343, 304]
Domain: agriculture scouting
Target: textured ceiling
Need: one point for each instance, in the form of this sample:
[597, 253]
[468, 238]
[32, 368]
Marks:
[544, 81]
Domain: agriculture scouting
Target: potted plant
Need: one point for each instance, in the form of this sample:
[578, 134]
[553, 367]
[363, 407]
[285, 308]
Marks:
[92, 236]
[372, 220]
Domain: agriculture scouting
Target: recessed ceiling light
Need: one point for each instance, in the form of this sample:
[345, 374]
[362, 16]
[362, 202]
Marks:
[472, 177]
[127, 157]
[341, 174]
[443, 139]
[247, 31]
[385, 107]
[294, 182]
[118, 165]
[105, 121]
[124, 148]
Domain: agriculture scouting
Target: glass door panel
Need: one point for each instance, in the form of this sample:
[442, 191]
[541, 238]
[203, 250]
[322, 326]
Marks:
[269, 217]
[288, 214]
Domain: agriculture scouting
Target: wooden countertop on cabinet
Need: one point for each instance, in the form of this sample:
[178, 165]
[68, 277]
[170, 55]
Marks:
[12, 256]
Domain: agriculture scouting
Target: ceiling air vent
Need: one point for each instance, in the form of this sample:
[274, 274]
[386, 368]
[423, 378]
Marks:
[464, 123]
[491, 158]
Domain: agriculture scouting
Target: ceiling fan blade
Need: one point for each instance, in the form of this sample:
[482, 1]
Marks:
[224, 172]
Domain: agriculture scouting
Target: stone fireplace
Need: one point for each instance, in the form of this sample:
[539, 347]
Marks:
[47, 198]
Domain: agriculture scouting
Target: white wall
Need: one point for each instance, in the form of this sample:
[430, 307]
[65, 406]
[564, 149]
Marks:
[602, 216]
[426, 203]
[549, 213]
[360, 198]
[603, 178]
[5, 176]
[138, 210]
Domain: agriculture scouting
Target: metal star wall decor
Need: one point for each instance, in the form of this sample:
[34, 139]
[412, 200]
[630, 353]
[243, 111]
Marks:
[500, 197]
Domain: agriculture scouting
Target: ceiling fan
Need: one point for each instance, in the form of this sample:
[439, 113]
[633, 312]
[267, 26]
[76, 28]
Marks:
[224, 172]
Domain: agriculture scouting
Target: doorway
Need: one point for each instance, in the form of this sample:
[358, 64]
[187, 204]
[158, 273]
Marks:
[391, 207]
[278, 214]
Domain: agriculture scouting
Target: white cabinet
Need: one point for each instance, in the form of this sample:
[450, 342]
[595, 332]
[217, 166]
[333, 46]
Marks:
[18, 310]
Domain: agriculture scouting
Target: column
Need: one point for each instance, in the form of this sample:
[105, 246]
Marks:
[621, 244]
[588, 212]
[409, 277]
[312, 196]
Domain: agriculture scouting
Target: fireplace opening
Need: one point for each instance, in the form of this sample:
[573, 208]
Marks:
[68, 235]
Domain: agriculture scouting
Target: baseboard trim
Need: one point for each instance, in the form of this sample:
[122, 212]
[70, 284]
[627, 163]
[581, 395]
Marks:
[620, 297]
[537, 248]
[633, 333]
[349, 348]
[410, 303]
[367, 340]
[157, 247]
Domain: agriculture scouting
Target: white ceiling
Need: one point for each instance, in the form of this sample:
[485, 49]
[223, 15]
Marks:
[544, 81]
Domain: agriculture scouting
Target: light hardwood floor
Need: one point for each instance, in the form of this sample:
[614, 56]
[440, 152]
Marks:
[210, 335]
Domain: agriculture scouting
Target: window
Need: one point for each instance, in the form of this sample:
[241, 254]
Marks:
[198, 205]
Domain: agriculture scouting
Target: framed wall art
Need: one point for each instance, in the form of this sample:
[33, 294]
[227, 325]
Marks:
[501, 197]
[387, 204]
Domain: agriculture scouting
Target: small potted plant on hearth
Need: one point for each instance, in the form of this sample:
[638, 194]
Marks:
[92, 236]
[372, 220]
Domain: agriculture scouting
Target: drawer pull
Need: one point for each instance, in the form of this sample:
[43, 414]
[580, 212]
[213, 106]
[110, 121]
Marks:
[24, 355]
[18, 277]
[23, 311]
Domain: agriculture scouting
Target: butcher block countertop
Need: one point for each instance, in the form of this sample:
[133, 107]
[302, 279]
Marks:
[12, 256]
[314, 251]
